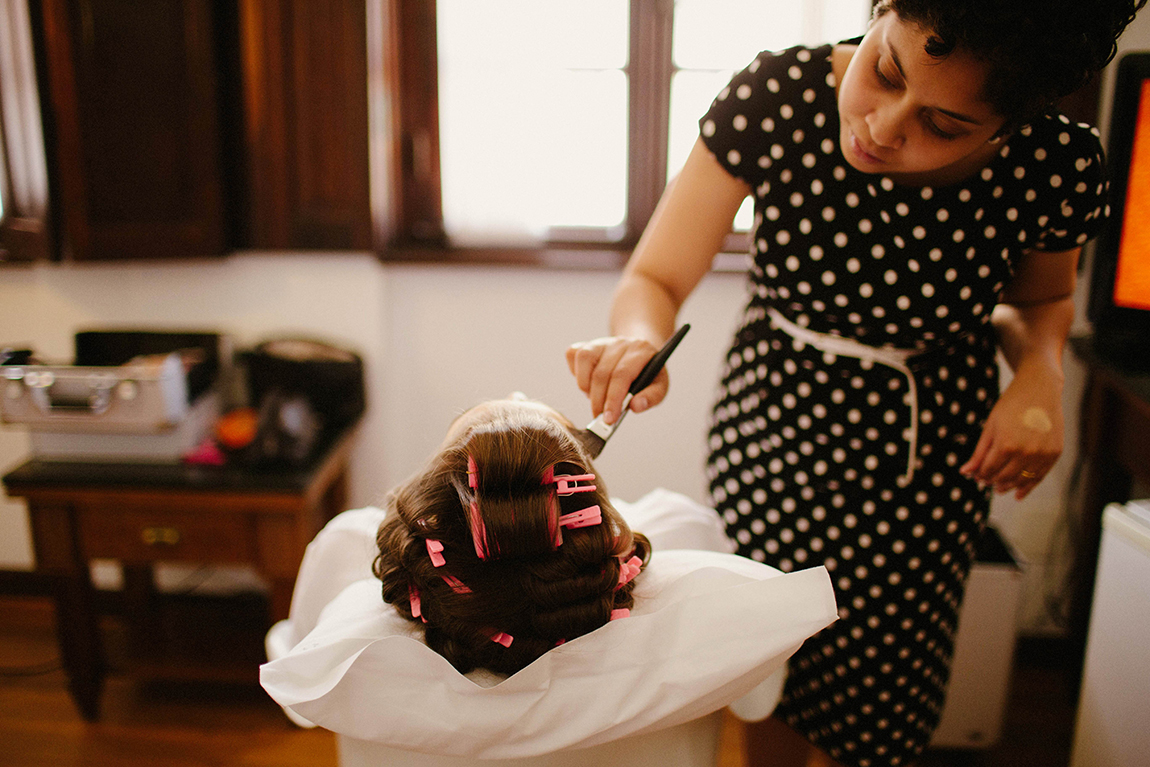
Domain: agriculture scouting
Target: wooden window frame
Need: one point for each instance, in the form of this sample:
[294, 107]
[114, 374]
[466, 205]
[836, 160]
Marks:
[403, 86]
[405, 141]
[25, 229]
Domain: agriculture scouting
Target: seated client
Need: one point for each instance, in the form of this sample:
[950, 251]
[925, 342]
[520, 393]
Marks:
[506, 545]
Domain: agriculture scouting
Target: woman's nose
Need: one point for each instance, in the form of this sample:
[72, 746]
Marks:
[886, 127]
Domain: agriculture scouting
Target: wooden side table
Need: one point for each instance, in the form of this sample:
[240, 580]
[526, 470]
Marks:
[141, 514]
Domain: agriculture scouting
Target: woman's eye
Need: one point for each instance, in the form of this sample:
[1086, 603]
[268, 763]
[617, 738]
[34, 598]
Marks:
[886, 81]
[942, 134]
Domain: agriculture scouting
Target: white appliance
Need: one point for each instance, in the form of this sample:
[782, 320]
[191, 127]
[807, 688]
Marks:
[1113, 726]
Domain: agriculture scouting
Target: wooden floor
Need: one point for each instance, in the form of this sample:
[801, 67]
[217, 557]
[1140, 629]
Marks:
[169, 724]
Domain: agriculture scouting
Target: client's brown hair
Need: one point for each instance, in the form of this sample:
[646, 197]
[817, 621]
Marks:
[493, 569]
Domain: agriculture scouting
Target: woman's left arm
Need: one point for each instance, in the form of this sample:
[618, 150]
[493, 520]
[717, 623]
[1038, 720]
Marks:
[1022, 438]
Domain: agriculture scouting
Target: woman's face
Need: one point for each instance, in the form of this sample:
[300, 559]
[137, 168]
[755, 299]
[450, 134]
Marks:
[912, 117]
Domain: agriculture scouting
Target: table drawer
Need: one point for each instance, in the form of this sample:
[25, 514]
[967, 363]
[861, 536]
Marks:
[147, 536]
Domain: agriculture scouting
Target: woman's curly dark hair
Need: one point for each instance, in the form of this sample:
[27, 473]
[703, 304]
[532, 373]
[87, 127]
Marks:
[1038, 50]
[528, 587]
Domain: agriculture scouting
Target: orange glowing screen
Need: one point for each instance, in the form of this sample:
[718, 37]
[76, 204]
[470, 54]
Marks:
[1132, 278]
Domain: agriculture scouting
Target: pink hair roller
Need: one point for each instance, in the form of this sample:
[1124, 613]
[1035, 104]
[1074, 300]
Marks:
[628, 570]
[434, 549]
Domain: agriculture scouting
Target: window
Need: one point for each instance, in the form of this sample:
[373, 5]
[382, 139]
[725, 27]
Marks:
[558, 124]
[709, 48]
[533, 119]
[23, 169]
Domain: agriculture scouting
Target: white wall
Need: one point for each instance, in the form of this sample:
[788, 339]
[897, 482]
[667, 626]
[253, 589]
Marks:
[435, 341]
[465, 334]
[337, 297]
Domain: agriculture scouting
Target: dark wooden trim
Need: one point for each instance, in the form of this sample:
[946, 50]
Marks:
[559, 257]
[262, 31]
[414, 69]
[25, 583]
[383, 121]
[91, 58]
[25, 239]
[306, 124]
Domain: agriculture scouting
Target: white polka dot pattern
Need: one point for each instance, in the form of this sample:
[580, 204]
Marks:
[807, 450]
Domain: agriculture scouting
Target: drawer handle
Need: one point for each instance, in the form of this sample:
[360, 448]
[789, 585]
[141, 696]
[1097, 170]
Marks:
[160, 536]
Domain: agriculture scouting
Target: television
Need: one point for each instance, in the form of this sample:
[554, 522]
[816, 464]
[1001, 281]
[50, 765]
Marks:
[1119, 304]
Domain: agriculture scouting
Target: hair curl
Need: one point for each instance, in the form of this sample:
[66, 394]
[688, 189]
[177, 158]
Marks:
[539, 593]
[1038, 50]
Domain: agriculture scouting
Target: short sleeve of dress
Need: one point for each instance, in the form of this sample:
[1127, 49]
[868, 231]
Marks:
[755, 118]
[1063, 165]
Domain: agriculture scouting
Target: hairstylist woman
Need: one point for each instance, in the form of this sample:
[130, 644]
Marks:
[918, 205]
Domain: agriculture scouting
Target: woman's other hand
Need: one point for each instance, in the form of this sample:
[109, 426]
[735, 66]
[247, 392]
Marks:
[605, 368]
[1022, 438]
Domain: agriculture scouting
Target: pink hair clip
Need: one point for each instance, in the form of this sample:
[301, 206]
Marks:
[568, 484]
[592, 515]
[458, 586]
[628, 570]
[434, 549]
[416, 608]
[621, 612]
[503, 638]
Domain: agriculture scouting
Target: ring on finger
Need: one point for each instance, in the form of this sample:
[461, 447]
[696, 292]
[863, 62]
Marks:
[1027, 474]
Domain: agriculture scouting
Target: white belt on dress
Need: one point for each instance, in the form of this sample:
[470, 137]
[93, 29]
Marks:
[847, 347]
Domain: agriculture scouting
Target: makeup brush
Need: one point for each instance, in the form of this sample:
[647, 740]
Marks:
[598, 431]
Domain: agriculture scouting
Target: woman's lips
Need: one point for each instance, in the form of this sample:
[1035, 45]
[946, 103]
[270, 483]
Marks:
[860, 152]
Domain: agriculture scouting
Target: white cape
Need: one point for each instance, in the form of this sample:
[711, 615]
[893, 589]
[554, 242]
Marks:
[707, 629]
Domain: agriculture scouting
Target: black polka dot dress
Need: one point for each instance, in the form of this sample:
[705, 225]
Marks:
[823, 456]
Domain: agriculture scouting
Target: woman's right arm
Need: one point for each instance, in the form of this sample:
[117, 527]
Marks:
[676, 250]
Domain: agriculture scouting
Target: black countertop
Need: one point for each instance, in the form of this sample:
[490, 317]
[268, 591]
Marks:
[176, 476]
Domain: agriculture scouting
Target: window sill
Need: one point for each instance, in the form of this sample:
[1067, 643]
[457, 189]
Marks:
[563, 258]
[24, 240]
[559, 257]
